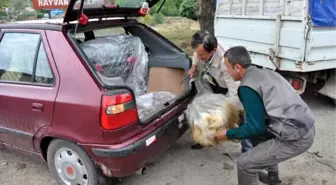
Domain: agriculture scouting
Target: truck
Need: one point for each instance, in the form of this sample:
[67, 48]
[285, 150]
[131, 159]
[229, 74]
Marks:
[296, 38]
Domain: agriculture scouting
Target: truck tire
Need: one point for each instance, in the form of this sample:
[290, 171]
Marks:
[334, 101]
[69, 163]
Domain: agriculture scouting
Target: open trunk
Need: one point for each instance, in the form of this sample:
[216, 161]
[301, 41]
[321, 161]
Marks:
[131, 54]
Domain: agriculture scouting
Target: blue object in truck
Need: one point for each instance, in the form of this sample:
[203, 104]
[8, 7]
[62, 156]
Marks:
[56, 12]
[323, 12]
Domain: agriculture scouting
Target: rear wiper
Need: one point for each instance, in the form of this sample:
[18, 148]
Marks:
[80, 12]
[161, 6]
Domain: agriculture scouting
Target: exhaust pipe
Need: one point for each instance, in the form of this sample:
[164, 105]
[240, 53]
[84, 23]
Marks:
[141, 171]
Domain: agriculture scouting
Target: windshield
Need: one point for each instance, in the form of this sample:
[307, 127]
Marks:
[100, 3]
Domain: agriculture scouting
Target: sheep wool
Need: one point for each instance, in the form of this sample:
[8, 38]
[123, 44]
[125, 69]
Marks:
[209, 112]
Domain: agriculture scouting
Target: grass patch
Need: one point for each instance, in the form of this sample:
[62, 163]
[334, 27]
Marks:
[181, 38]
[179, 31]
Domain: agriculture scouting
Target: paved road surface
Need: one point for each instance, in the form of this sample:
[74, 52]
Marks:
[182, 166]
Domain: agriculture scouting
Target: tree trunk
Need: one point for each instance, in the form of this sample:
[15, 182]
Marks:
[206, 15]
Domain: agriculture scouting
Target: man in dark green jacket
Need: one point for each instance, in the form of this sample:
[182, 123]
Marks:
[278, 121]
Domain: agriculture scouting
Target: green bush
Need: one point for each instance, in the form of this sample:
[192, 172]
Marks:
[188, 9]
[146, 19]
[40, 14]
[170, 8]
[158, 18]
[26, 15]
[3, 16]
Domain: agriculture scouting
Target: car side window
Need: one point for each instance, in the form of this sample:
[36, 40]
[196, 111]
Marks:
[19, 62]
[43, 73]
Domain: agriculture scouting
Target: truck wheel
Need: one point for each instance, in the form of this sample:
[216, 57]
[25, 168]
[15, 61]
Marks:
[70, 164]
[334, 100]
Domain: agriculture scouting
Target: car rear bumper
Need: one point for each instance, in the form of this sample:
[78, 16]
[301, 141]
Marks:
[127, 160]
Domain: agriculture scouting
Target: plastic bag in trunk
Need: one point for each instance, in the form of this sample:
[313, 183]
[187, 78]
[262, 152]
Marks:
[209, 112]
[120, 56]
[151, 102]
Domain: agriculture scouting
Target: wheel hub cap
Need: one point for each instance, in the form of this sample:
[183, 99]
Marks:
[70, 167]
[70, 172]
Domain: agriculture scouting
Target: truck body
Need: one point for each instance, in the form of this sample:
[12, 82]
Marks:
[297, 38]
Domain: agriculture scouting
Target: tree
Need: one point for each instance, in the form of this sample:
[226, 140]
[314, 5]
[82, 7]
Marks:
[4, 4]
[188, 9]
[170, 8]
[206, 14]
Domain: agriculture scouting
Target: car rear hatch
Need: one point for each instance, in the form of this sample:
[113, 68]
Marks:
[176, 60]
[107, 8]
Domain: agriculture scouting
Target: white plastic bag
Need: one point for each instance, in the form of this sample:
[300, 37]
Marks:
[151, 102]
[209, 112]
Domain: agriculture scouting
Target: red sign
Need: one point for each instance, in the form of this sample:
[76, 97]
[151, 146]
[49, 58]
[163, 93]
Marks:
[50, 4]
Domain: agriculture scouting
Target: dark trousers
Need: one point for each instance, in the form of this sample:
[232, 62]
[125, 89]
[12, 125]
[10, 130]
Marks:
[268, 154]
[217, 89]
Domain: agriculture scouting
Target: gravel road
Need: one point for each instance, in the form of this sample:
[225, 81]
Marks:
[182, 166]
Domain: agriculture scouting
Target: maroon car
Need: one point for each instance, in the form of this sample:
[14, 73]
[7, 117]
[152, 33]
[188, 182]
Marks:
[98, 97]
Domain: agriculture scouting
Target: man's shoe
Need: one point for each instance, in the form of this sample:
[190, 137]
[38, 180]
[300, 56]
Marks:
[196, 147]
[272, 178]
[263, 177]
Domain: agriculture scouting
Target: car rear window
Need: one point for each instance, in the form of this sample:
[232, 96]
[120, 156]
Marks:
[116, 56]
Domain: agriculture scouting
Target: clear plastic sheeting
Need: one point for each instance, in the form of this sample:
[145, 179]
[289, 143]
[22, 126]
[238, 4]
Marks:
[209, 112]
[150, 102]
[120, 56]
[203, 86]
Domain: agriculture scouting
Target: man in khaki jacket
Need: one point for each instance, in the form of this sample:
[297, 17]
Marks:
[210, 71]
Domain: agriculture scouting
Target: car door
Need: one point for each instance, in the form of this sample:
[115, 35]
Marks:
[28, 86]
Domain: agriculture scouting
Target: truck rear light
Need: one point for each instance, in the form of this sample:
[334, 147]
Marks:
[118, 111]
[295, 83]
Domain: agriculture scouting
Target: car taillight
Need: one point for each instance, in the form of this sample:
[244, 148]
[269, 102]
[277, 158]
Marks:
[118, 111]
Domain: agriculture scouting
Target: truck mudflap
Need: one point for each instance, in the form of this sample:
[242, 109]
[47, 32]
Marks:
[329, 88]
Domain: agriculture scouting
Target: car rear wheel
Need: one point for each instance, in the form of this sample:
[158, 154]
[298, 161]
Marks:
[70, 164]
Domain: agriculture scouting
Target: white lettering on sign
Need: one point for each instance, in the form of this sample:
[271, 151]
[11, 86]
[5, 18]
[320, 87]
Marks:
[53, 3]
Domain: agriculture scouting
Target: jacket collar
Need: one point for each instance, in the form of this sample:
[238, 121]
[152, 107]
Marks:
[218, 56]
[249, 69]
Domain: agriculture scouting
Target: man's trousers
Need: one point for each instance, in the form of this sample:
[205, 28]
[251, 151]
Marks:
[267, 156]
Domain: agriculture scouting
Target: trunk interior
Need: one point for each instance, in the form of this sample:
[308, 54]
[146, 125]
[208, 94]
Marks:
[157, 77]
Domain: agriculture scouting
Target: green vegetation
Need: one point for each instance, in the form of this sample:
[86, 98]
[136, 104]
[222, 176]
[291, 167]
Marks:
[178, 31]
[188, 9]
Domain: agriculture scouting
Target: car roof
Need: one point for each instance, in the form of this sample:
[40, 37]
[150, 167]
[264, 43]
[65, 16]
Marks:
[44, 24]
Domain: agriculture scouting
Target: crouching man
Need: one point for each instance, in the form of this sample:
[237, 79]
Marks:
[278, 121]
[209, 71]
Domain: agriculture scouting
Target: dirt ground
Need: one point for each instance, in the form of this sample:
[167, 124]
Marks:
[182, 166]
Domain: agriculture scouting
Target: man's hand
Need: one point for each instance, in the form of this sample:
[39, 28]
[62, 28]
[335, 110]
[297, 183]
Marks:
[221, 135]
[193, 71]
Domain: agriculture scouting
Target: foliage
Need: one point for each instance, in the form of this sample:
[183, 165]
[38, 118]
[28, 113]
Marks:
[26, 15]
[129, 3]
[158, 18]
[19, 5]
[40, 14]
[188, 9]
[146, 19]
[170, 8]
[3, 16]
[4, 4]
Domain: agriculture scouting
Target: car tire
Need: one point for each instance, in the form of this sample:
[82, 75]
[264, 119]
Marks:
[69, 163]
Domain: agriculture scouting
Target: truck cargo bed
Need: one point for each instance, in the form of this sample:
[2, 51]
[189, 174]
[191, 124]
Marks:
[280, 34]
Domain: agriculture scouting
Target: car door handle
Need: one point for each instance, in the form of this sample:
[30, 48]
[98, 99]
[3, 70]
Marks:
[37, 107]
